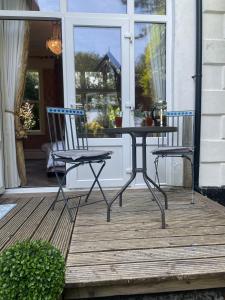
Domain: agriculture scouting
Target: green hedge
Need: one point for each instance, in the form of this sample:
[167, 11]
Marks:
[31, 270]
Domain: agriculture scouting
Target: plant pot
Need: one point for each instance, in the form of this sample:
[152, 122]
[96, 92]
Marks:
[138, 121]
[148, 121]
[118, 121]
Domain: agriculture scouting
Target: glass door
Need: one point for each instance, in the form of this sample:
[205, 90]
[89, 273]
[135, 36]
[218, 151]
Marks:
[98, 79]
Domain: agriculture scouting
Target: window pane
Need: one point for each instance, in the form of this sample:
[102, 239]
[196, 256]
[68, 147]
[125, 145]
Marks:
[36, 5]
[154, 7]
[98, 75]
[150, 64]
[98, 6]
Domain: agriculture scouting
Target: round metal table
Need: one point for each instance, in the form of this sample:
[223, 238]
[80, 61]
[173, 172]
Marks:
[143, 133]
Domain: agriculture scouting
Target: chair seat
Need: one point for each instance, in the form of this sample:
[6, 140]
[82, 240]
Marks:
[172, 151]
[76, 155]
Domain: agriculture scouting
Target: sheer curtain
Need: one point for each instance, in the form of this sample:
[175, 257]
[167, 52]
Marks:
[157, 44]
[12, 42]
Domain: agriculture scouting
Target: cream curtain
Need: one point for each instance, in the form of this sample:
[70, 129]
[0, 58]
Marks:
[13, 35]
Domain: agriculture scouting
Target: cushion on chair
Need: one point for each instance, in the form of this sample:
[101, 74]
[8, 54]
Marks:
[172, 151]
[82, 154]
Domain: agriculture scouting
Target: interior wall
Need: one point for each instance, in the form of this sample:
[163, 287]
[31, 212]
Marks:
[51, 82]
[51, 86]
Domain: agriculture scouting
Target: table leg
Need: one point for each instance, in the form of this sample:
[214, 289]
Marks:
[119, 194]
[146, 175]
[157, 201]
[148, 181]
[132, 177]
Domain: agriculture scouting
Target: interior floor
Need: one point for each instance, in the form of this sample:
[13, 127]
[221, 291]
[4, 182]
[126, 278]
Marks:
[37, 175]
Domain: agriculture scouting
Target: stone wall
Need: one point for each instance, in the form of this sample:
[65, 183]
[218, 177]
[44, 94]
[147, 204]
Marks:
[212, 156]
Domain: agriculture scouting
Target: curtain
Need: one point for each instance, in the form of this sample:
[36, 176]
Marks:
[13, 43]
[157, 45]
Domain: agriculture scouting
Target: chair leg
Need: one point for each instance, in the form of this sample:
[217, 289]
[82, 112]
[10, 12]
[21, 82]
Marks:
[121, 200]
[192, 183]
[60, 183]
[156, 162]
[96, 176]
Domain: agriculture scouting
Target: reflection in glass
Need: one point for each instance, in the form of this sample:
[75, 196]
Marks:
[98, 75]
[150, 65]
[36, 5]
[98, 6]
[154, 7]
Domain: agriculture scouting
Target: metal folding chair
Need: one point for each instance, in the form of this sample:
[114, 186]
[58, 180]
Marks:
[69, 144]
[177, 144]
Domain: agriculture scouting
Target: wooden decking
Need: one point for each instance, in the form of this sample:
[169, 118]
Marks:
[131, 254]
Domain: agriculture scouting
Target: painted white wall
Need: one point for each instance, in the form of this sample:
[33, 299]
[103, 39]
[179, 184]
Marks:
[183, 86]
[212, 156]
[184, 54]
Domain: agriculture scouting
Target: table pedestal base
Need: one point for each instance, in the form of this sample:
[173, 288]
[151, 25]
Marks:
[146, 178]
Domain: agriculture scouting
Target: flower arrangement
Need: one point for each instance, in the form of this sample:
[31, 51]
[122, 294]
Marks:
[26, 116]
[27, 120]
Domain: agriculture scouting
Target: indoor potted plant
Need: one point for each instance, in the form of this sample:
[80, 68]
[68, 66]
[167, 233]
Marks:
[138, 117]
[31, 270]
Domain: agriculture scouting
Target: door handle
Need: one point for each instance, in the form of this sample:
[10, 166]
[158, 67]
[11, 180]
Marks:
[129, 106]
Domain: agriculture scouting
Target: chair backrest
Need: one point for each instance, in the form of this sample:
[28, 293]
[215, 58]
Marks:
[184, 137]
[67, 128]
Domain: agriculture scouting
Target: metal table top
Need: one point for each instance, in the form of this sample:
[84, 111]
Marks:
[141, 130]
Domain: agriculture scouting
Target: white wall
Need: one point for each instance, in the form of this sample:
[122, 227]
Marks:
[183, 86]
[212, 156]
[184, 54]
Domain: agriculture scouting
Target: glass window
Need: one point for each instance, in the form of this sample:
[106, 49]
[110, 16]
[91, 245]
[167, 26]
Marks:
[36, 5]
[150, 65]
[98, 6]
[31, 98]
[154, 7]
[98, 75]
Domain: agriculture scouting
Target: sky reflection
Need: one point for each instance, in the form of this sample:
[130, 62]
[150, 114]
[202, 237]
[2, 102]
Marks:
[98, 40]
[48, 5]
[98, 6]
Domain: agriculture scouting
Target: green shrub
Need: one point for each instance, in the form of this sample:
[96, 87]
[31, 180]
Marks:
[31, 270]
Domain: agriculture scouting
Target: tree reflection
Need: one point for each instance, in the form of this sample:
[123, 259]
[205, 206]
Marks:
[98, 88]
[150, 6]
[150, 73]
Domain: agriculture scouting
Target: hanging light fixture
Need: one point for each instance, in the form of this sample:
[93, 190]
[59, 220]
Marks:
[54, 44]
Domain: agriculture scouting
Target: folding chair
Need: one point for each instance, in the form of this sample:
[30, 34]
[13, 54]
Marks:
[177, 144]
[69, 144]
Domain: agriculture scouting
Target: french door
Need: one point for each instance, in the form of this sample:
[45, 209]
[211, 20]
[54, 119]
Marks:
[98, 77]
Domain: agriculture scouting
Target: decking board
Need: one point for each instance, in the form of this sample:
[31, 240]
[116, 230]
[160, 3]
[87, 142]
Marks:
[32, 218]
[132, 254]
